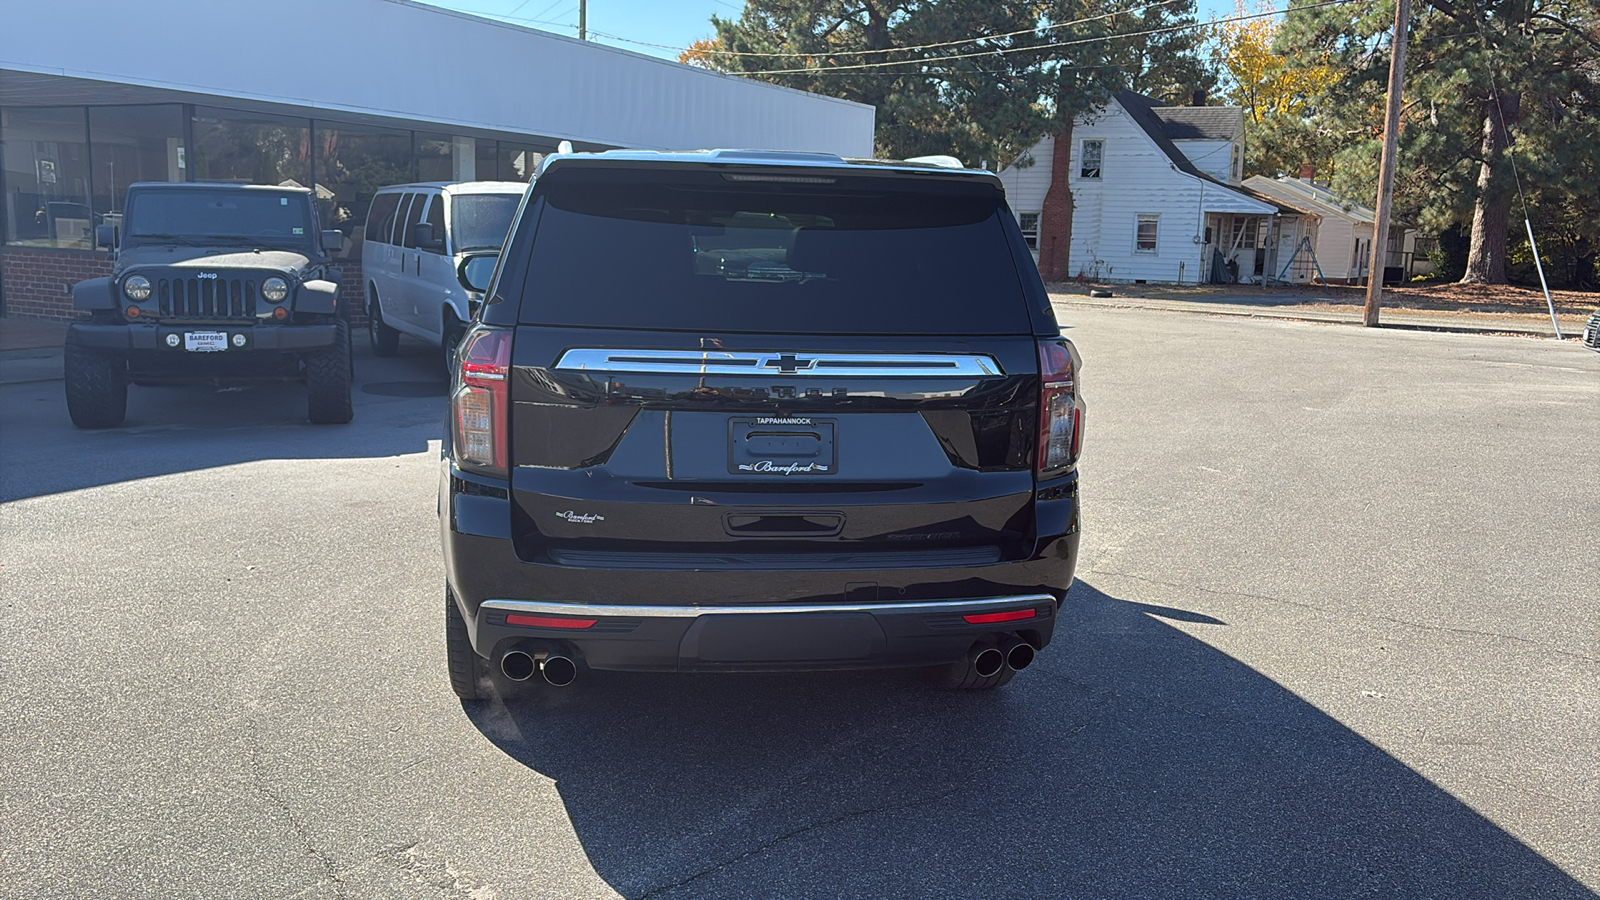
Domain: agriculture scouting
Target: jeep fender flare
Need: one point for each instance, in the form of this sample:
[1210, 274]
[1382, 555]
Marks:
[317, 296]
[93, 294]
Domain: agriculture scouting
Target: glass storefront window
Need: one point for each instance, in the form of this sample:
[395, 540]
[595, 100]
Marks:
[251, 148]
[518, 162]
[133, 143]
[488, 168]
[47, 177]
[353, 162]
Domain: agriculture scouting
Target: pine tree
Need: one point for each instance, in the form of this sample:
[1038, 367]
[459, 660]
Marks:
[1485, 79]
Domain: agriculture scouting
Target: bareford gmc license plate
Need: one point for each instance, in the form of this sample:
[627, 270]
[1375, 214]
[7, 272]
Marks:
[205, 341]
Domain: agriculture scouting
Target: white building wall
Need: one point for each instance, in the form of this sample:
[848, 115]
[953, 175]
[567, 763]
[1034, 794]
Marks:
[407, 60]
[1027, 185]
[1139, 178]
[1215, 158]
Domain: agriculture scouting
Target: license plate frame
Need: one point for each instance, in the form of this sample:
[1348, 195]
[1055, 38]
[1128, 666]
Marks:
[783, 446]
[205, 341]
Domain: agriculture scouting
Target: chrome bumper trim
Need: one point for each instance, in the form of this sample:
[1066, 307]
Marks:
[543, 608]
[832, 365]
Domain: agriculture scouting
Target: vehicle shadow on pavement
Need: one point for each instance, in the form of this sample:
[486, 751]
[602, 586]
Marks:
[399, 408]
[1132, 760]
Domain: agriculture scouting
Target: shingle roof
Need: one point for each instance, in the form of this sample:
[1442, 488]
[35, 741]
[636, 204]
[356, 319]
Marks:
[1142, 110]
[1199, 123]
[1147, 114]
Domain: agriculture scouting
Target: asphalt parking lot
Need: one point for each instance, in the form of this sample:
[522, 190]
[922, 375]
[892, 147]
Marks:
[1336, 634]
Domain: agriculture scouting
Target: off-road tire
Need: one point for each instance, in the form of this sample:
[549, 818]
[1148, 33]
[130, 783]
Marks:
[97, 386]
[468, 671]
[385, 340]
[328, 381]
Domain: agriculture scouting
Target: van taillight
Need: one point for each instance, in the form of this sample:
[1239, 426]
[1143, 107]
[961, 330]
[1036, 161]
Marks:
[1060, 408]
[479, 405]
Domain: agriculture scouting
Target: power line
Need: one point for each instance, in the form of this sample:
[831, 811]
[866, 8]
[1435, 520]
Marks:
[972, 40]
[1036, 48]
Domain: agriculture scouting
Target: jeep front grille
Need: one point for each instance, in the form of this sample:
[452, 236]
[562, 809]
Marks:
[207, 298]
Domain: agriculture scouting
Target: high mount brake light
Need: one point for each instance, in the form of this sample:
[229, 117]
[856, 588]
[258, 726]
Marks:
[1060, 408]
[480, 402]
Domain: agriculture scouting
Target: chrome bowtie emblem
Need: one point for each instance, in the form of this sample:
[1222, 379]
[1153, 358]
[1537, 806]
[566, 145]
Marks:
[787, 363]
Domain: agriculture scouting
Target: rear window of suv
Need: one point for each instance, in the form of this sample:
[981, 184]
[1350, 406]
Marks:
[702, 251]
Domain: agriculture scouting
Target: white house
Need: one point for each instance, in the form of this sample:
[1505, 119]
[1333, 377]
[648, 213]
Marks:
[1157, 197]
[1344, 242]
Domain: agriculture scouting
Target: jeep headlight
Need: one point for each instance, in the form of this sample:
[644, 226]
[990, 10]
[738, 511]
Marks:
[137, 288]
[275, 289]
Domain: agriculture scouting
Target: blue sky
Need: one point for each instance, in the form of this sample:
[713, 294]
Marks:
[675, 23]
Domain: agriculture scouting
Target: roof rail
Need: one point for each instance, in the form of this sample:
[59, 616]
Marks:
[942, 161]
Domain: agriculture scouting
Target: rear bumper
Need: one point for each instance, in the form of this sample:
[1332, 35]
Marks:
[755, 638]
[740, 620]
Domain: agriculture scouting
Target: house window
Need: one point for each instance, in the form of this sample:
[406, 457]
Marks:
[1029, 223]
[1144, 240]
[1237, 171]
[1093, 151]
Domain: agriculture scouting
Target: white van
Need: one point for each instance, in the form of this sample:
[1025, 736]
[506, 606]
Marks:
[414, 236]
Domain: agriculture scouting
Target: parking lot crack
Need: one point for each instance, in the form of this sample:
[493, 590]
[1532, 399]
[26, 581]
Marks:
[795, 833]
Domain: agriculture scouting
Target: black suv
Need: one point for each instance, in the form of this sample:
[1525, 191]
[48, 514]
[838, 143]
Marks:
[734, 411]
[212, 283]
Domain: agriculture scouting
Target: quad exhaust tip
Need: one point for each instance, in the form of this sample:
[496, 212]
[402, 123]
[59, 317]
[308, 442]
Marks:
[520, 665]
[1019, 654]
[987, 660]
[558, 671]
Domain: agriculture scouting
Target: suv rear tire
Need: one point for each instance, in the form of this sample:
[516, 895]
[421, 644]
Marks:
[467, 669]
[328, 381]
[97, 386]
[385, 340]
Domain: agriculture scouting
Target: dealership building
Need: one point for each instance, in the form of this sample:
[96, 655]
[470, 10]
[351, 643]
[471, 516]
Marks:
[344, 96]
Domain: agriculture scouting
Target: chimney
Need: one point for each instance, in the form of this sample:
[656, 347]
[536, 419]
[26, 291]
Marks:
[1199, 98]
[1307, 172]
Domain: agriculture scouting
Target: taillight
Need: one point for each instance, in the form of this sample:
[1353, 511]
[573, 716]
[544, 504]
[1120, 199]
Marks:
[1060, 408]
[479, 404]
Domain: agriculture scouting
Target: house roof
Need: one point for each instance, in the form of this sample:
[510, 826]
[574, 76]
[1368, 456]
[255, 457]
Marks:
[1142, 110]
[1199, 123]
[1285, 207]
[1147, 114]
[1319, 198]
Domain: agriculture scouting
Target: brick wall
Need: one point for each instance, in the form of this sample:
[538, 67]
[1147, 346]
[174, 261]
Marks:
[36, 284]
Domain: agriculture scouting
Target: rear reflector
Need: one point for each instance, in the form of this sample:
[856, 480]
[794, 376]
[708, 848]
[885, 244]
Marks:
[990, 618]
[548, 621]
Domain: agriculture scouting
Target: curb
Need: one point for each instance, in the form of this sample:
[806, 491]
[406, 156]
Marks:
[30, 366]
[1288, 314]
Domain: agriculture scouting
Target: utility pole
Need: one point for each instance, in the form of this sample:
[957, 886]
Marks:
[583, 20]
[1391, 146]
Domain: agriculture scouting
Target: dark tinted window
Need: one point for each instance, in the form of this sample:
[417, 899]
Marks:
[696, 251]
[418, 207]
[266, 217]
[380, 220]
[481, 221]
[436, 219]
[401, 216]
